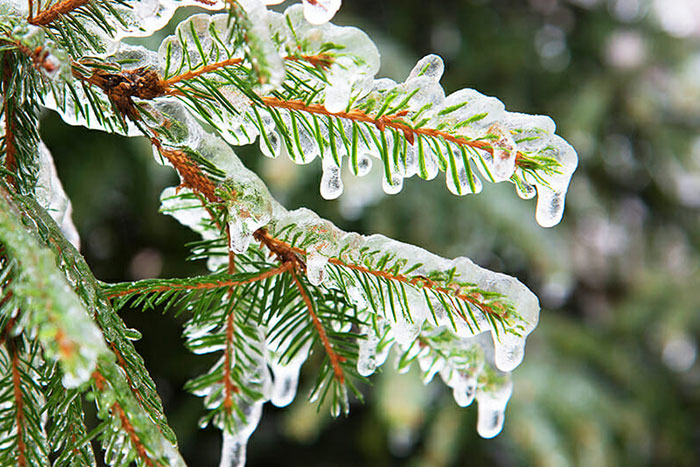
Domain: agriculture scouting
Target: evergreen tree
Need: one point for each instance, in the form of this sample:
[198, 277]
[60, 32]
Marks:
[283, 285]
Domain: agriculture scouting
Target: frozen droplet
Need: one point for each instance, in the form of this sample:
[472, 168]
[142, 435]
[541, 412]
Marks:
[271, 145]
[364, 165]
[491, 411]
[525, 190]
[367, 357]
[132, 334]
[315, 267]
[550, 206]
[430, 66]
[464, 391]
[394, 185]
[331, 183]
[509, 352]
[320, 11]
[286, 378]
[240, 235]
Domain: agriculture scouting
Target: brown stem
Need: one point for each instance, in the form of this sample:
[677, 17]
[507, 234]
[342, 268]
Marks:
[125, 422]
[385, 121]
[204, 286]
[48, 16]
[281, 247]
[334, 358]
[320, 61]
[192, 176]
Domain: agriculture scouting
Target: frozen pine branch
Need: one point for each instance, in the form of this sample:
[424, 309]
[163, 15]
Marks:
[283, 285]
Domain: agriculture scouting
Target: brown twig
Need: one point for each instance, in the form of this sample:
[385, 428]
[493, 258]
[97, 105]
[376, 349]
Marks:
[206, 285]
[334, 358]
[192, 176]
[322, 61]
[284, 249]
[385, 121]
[125, 422]
[48, 16]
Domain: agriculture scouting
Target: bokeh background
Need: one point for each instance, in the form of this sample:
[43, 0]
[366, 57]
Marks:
[610, 375]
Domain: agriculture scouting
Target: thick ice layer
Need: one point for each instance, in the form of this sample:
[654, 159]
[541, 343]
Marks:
[50, 195]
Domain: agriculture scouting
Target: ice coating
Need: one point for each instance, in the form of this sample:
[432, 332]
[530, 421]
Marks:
[492, 405]
[286, 377]
[320, 11]
[50, 195]
[233, 449]
[331, 182]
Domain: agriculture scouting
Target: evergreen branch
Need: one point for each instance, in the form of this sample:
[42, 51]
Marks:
[321, 61]
[10, 149]
[333, 357]
[113, 329]
[19, 403]
[67, 333]
[284, 250]
[382, 122]
[156, 286]
[116, 408]
[48, 16]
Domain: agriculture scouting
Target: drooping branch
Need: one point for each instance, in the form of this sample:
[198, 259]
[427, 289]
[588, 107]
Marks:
[282, 248]
[385, 121]
[117, 409]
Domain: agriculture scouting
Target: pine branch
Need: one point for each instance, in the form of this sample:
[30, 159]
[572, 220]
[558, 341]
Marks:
[10, 150]
[48, 16]
[116, 408]
[156, 286]
[333, 357]
[394, 121]
[19, 404]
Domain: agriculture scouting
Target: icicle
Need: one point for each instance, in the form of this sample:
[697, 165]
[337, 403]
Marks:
[271, 145]
[492, 406]
[316, 267]
[286, 378]
[367, 358]
[331, 183]
[233, 449]
[320, 11]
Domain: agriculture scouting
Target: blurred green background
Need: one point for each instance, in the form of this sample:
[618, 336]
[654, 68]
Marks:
[610, 375]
